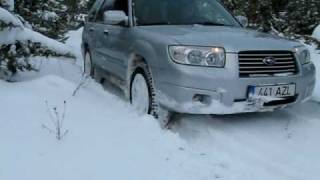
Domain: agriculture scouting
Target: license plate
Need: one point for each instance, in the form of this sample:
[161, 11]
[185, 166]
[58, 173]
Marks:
[278, 91]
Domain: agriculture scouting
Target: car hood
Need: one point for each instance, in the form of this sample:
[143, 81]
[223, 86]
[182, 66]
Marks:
[233, 39]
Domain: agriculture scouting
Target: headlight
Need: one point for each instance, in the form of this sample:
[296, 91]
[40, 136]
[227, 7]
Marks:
[303, 55]
[198, 56]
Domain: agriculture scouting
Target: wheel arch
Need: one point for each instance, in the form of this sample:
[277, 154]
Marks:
[135, 61]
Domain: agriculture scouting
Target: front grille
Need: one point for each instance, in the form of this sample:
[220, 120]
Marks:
[251, 63]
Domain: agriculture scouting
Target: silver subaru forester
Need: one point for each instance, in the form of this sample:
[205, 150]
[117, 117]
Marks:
[192, 56]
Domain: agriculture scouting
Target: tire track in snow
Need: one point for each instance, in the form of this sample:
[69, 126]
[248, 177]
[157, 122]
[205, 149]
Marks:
[258, 155]
[283, 155]
[251, 158]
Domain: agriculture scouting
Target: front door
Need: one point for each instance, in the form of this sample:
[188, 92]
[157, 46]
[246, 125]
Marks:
[112, 42]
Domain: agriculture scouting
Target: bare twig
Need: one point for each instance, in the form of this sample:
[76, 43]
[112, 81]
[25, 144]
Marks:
[49, 130]
[57, 121]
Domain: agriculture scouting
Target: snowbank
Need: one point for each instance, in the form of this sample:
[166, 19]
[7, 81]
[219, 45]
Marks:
[106, 135]
[316, 33]
[74, 42]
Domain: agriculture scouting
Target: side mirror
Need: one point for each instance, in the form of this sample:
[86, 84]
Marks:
[115, 17]
[243, 20]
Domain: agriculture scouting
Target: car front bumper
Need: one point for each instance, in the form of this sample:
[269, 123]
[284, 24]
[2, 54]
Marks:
[197, 90]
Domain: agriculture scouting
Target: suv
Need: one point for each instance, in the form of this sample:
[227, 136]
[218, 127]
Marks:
[192, 56]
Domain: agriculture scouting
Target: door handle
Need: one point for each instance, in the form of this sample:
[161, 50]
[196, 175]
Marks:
[106, 32]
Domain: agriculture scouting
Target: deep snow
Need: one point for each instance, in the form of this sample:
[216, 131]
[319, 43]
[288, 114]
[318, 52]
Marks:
[107, 139]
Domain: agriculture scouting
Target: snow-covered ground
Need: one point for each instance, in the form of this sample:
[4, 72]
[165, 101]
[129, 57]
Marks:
[106, 139]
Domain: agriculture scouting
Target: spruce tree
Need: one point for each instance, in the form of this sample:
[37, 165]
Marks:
[258, 12]
[48, 17]
[19, 45]
[302, 16]
[286, 16]
[77, 10]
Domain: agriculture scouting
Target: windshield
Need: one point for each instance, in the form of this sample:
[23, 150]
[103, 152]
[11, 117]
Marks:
[182, 12]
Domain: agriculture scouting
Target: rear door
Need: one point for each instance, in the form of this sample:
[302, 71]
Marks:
[113, 44]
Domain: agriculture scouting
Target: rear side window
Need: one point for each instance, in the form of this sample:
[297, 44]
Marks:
[108, 5]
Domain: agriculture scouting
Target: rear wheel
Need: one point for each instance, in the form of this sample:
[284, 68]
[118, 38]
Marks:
[144, 98]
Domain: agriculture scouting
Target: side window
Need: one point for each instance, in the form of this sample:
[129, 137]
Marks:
[94, 10]
[120, 5]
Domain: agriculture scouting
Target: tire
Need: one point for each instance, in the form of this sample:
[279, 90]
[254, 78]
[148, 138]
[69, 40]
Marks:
[88, 68]
[140, 96]
[153, 108]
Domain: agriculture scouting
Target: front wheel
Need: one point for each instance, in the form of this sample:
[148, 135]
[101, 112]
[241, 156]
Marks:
[140, 94]
[143, 97]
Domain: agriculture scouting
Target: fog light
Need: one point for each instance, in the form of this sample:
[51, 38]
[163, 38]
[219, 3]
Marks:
[201, 98]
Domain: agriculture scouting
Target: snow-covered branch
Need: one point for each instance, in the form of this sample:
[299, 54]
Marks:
[18, 44]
